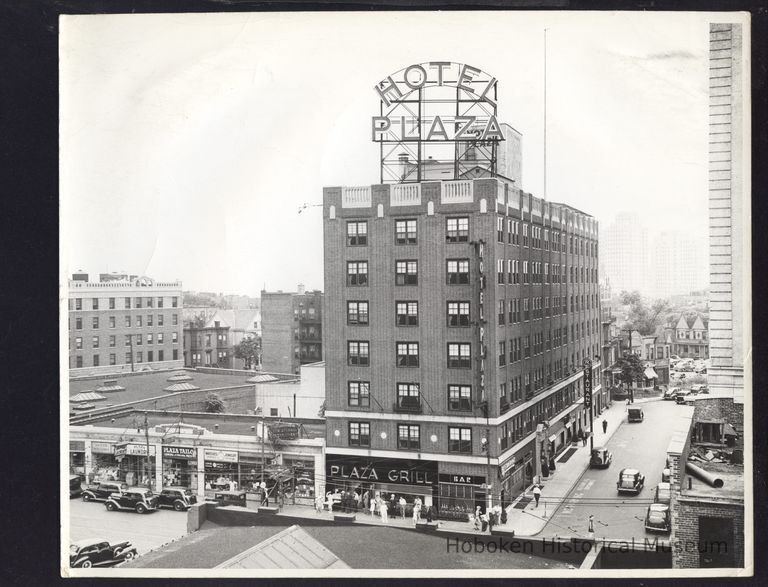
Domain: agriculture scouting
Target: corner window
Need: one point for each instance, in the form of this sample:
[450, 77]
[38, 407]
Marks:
[357, 233]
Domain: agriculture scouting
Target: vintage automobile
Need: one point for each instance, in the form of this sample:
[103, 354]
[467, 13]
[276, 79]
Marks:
[684, 399]
[97, 552]
[75, 488]
[601, 458]
[139, 499]
[230, 497]
[657, 519]
[630, 481]
[665, 475]
[178, 498]
[635, 415]
[663, 493]
[101, 491]
[672, 393]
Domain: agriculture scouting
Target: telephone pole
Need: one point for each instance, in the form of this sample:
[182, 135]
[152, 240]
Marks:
[146, 436]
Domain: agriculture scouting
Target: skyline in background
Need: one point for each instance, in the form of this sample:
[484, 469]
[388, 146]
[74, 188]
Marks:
[189, 142]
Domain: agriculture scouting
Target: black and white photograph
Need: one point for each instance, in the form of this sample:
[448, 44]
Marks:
[406, 294]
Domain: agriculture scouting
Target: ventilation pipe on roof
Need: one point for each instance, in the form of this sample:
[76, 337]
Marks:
[708, 478]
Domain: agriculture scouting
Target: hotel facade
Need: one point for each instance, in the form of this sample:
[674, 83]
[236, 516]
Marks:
[457, 317]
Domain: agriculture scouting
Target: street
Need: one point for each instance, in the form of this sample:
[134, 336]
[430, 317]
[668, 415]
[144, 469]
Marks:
[147, 531]
[640, 446]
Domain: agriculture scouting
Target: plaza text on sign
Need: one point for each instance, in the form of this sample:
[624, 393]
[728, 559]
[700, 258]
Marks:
[438, 114]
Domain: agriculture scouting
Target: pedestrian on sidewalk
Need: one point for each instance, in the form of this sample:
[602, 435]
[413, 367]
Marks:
[491, 520]
[503, 515]
[484, 520]
[319, 504]
[605, 425]
[537, 494]
[373, 507]
[383, 510]
[476, 518]
[401, 502]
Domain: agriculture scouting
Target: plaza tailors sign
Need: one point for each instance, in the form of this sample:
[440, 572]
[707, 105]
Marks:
[382, 471]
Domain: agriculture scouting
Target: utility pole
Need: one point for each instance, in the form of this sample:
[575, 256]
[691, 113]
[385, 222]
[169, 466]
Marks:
[486, 446]
[130, 345]
[146, 436]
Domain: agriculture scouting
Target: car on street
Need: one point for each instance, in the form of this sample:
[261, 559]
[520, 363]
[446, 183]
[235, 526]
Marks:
[684, 399]
[635, 415]
[657, 518]
[672, 393]
[178, 498]
[102, 490]
[97, 552]
[138, 499]
[601, 458]
[75, 487]
[630, 481]
[663, 493]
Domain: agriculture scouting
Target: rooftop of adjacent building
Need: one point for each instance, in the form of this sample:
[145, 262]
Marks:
[80, 281]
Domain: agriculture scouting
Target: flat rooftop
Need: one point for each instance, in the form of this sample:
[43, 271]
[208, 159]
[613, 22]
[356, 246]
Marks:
[732, 476]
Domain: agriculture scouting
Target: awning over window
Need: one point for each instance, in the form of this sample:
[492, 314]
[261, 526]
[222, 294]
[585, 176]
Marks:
[730, 430]
[649, 373]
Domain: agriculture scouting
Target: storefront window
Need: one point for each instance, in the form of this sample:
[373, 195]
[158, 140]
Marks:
[457, 498]
[179, 466]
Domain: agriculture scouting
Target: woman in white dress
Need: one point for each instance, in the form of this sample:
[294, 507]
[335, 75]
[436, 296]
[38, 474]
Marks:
[384, 506]
[373, 506]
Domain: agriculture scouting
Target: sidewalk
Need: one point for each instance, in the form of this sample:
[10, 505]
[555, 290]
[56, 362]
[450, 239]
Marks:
[531, 520]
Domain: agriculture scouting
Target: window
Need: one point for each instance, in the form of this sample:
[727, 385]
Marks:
[357, 312]
[502, 312]
[79, 342]
[174, 302]
[139, 339]
[95, 303]
[175, 319]
[150, 356]
[408, 396]
[458, 271]
[175, 354]
[138, 302]
[459, 397]
[502, 353]
[160, 355]
[111, 303]
[159, 302]
[78, 323]
[150, 302]
[500, 229]
[78, 361]
[127, 303]
[459, 439]
[127, 321]
[112, 340]
[139, 357]
[408, 437]
[407, 354]
[360, 434]
[127, 340]
[128, 357]
[458, 313]
[357, 353]
[357, 272]
[457, 229]
[405, 232]
[159, 319]
[160, 338]
[407, 313]
[174, 337]
[459, 355]
[149, 338]
[78, 303]
[149, 319]
[95, 322]
[112, 359]
[359, 394]
[406, 273]
[138, 321]
[357, 233]
[111, 321]
[95, 342]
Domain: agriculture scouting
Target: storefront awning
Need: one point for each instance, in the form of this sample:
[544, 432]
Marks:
[730, 430]
[553, 438]
[649, 373]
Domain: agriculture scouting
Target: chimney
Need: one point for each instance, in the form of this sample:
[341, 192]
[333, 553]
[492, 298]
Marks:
[301, 289]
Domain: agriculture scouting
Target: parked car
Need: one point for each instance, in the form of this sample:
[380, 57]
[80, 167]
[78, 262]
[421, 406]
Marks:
[139, 499]
[672, 393]
[601, 458]
[230, 497]
[657, 518]
[101, 491]
[696, 388]
[666, 474]
[75, 487]
[178, 498]
[663, 493]
[683, 399]
[630, 481]
[97, 552]
[635, 415]
[674, 358]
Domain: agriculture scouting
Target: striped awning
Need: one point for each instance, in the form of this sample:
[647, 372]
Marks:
[649, 373]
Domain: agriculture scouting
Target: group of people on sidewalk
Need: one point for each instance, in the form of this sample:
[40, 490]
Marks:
[353, 501]
[487, 520]
[583, 436]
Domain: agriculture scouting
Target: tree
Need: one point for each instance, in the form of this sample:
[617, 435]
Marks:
[213, 404]
[631, 370]
[321, 411]
[642, 317]
[248, 350]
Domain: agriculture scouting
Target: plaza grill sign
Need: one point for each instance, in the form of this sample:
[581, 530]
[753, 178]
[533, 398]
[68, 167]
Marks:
[382, 471]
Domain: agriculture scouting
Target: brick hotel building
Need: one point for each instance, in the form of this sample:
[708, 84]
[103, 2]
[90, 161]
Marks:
[457, 316]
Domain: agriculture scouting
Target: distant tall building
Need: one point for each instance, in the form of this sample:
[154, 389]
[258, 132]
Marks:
[291, 330]
[510, 155]
[124, 325]
[624, 254]
[677, 265]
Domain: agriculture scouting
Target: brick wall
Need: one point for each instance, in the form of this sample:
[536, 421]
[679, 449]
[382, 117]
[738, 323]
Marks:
[687, 538]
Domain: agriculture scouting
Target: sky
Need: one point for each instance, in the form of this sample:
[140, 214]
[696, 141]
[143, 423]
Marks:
[188, 142]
